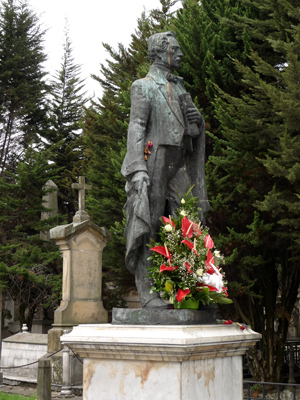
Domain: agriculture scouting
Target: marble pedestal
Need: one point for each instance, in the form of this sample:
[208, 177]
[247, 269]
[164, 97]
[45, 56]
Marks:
[129, 362]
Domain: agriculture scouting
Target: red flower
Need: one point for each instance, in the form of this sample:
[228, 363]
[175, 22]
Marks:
[242, 327]
[228, 322]
[168, 221]
[164, 267]
[225, 291]
[208, 242]
[186, 228]
[211, 288]
[162, 250]
[209, 260]
[209, 269]
[190, 246]
[196, 230]
[181, 294]
[188, 267]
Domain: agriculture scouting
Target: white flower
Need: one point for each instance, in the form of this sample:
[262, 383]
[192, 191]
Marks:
[214, 280]
[182, 201]
[217, 253]
[183, 213]
[168, 228]
[199, 271]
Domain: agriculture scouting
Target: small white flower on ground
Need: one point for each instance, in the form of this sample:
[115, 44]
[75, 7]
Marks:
[199, 271]
[183, 213]
[168, 228]
[182, 201]
[216, 253]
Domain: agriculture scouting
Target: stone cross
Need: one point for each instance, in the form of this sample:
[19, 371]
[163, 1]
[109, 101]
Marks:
[81, 214]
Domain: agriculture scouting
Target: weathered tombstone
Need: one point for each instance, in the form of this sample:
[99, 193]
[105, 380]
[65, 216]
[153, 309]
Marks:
[44, 380]
[21, 349]
[81, 244]
[49, 202]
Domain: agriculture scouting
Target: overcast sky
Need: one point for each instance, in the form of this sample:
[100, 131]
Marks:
[91, 23]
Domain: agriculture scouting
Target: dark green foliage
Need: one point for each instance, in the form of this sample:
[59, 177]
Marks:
[22, 82]
[254, 185]
[30, 268]
[209, 45]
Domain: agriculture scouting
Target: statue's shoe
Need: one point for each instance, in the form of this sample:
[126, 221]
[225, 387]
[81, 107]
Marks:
[157, 302]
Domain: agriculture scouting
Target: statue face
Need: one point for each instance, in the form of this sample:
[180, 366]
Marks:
[173, 55]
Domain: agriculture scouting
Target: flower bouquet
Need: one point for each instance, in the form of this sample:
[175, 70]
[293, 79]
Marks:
[185, 265]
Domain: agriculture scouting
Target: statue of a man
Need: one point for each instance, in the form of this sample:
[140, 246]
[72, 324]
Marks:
[165, 155]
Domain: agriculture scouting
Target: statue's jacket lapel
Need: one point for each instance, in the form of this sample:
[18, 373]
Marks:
[166, 125]
[170, 95]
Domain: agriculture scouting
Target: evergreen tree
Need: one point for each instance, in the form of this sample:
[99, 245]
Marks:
[30, 268]
[65, 135]
[255, 185]
[105, 129]
[212, 34]
[22, 82]
[208, 46]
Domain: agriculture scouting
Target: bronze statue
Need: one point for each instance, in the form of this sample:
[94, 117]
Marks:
[165, 155]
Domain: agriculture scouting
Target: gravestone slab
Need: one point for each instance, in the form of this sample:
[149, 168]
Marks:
[81, 245]
[21, 349]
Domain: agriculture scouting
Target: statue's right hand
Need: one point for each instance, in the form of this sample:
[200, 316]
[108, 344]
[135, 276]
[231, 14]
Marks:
[138, 180]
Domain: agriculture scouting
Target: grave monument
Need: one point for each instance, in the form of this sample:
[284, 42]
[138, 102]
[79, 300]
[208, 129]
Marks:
[155, 352]
[81, 244]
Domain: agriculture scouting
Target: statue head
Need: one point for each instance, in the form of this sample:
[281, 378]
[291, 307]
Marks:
[164, 49]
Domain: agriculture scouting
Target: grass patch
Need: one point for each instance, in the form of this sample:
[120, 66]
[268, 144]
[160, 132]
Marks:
[8, 396]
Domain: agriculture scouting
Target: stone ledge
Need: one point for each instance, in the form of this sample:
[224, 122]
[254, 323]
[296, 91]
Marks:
[154, 316]
[63, 231]
[30, 338]
[159, 343]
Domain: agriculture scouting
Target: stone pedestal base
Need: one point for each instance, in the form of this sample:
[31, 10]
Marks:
[161, 362]
[150, 316]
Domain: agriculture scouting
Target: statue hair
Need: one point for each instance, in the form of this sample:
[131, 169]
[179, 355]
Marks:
[158, 43]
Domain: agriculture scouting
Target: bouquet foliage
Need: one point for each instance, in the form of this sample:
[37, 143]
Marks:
[185, 264]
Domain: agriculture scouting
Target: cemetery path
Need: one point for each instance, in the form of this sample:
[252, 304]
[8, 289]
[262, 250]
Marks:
[30, 390]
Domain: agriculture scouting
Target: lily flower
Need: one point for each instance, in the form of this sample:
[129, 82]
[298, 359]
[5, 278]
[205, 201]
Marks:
[181, 294]
[164, 267]
[209, 262]
[186, 228]
[191, 246]
[162, 250]
[168, 221]
[208, 242]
